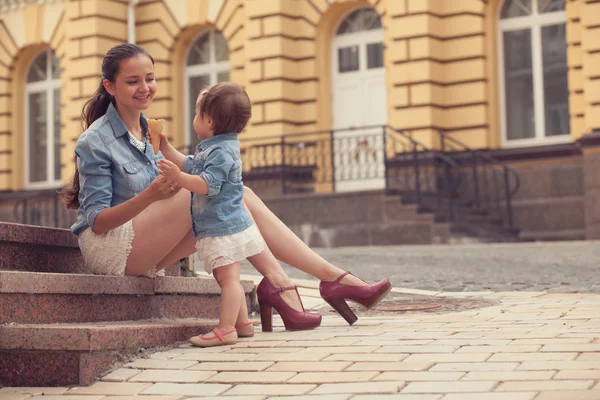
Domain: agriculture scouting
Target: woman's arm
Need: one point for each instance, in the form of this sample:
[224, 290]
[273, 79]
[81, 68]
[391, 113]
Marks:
[113, 217]
[95, 193]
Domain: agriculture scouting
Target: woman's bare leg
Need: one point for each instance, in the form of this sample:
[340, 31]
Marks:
[288, 247]
[158, 230]
[184, 248]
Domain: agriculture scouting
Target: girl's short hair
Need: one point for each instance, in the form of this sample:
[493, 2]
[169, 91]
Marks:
[228, 105]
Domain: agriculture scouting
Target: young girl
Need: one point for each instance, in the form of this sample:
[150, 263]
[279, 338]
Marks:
[224, 230]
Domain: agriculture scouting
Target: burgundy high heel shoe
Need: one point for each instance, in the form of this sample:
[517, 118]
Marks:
[269, 297]
[336, 294]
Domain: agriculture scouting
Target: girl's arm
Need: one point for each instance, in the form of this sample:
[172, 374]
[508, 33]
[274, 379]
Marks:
[170, 152]
[193, 183]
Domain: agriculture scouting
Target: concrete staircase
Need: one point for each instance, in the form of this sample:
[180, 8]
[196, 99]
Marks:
[60, 326]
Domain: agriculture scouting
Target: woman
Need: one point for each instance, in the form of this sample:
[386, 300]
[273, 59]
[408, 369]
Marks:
[133, 222]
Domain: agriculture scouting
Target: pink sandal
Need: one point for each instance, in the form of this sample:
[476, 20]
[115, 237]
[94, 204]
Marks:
[218, 339]
[245, 330]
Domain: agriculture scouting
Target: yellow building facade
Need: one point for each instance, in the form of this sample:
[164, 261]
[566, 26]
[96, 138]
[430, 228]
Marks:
[492, 73]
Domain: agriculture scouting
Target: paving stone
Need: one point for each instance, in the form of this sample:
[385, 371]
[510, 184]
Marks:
[258, 343]
[215, 398]
[417, 349]
[419, 376]
[449, 387]
[252, 377]
[578, 374]
[160, 364]
[520, 357]
[306, 366]
[269, 390]
[174, 376]
[588, 357]
[196, 356]
[16, 396]
[64, 397]
[526, 386]
[310, 356]
[33, 390]
[499, 349]
[256, 350]
[508, 375]
[553, 341]
[471, 342]
[314, 397]
[335, 342]
[121, 375]
[571, 347]
[176, 397]
[232, 366]
[187, 389]
[494, 396]
[357, 388]
[396, 357]
[166, 355]
[486, 366]
[390, 366]
[341, 349]
[464, 357]
[334, 377]
[558, 365]
[398, 397]
[111, 388]
[569, 394]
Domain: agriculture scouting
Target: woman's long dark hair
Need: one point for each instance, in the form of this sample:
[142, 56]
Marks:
[96, 107]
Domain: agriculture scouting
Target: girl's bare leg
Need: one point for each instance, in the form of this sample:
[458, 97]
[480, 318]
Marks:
[158, 230]
[288, 247]
[242, 317]
[228, 277]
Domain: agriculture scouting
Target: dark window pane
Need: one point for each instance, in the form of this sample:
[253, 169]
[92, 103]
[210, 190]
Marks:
[196, 84]
[57, 108]
[200, 51]
[37, 137]
[556, 91]
[518, 79]
[55, 66]
[348, 59]
[545, 6]
[223, 77]
[39, 68]
[365, 19]
[516, 8]
[375, 55]
[221, 47]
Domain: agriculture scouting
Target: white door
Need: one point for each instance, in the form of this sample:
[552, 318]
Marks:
[359, 103]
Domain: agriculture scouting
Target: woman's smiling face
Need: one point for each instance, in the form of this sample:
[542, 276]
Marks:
[134, 87]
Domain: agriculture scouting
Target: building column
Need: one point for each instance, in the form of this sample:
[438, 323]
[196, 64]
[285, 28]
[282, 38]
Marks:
[590, 144]
[590, 44]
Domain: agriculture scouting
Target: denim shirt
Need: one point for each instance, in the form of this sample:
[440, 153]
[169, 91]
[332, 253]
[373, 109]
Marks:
[220, 212]
[111, 169]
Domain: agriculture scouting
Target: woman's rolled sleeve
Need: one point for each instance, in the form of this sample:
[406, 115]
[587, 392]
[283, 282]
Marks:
[95, 178]
[216, 170]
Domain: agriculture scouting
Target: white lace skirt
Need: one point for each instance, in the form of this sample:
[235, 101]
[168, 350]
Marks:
[107, 254]
[224, 250]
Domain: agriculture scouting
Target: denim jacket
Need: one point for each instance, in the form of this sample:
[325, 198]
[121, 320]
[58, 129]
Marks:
[111, 169]
[220, 212]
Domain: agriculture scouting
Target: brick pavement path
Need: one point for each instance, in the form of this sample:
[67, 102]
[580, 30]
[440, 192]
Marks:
[531, 346]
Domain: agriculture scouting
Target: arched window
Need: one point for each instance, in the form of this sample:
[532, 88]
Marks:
[207, 64]
[42, 121]
[533, 71]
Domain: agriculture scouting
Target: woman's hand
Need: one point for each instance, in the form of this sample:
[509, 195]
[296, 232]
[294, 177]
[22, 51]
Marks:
[169, 170]
[162, 188]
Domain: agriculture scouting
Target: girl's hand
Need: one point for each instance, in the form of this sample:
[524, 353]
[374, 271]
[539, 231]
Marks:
[162, 188]
[168, 170]
[164, 142]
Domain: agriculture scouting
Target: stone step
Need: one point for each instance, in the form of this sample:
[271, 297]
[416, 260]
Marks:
[77, 354]
[43, 249]
[40, 298]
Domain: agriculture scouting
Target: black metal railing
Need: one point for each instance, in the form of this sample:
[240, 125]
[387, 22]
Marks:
[40, 207]
[486, 183]
[447, 181]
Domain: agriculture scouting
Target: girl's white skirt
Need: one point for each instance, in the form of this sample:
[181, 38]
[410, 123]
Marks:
[224, 250]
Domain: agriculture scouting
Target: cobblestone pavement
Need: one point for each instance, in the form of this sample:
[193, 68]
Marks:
[528, 346]
[554, 267]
